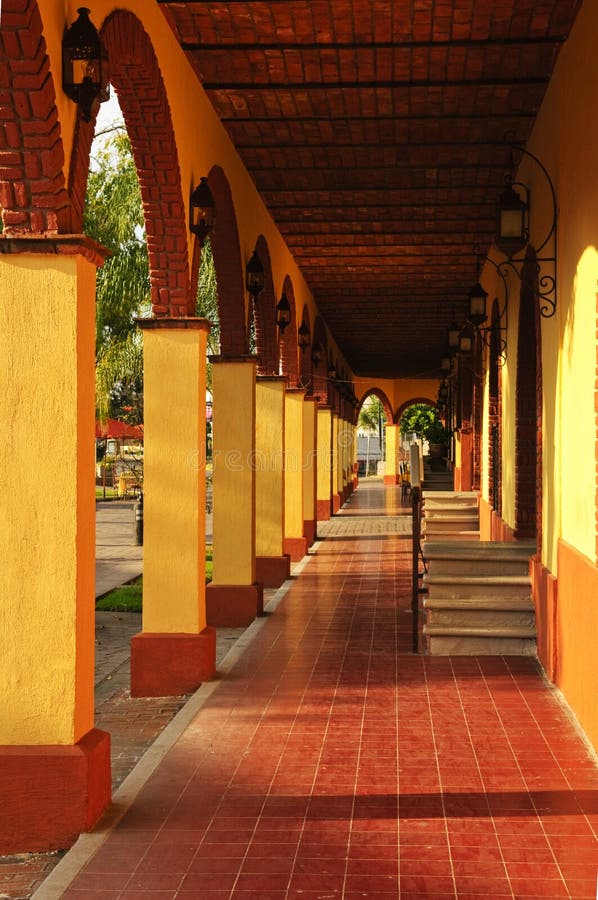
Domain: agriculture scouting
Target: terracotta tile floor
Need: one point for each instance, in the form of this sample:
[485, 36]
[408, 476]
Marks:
[332, 763]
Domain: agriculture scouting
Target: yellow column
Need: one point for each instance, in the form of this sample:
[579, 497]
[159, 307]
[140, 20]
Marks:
[310, 469]
[335, 454]
[273, 566]
[295, 543]
[55, 767]
[324, 463]
[175, 652]
[233, 597]
[391, 469]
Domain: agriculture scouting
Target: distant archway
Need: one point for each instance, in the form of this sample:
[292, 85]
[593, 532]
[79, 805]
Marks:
[386, 405]
[288, 340]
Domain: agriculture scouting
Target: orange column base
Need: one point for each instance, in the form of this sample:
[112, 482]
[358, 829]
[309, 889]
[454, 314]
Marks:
[296, 547]
[391, 479]
[336, 503]
[323, 510]
[309, 531]
[168, 665]
[272, 571]
[50, 794]
[233, 605]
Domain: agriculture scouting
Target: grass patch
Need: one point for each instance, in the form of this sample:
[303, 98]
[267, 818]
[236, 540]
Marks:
[128, 597]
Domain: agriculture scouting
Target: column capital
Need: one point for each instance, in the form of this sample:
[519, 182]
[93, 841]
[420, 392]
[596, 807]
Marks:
[173, 322]
[275, 378]
[56, 244]
[249, 358]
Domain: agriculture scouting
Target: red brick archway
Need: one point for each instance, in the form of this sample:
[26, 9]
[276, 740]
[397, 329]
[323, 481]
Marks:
[405, 406]
[320, 370]
[229, 271]
[33, 194]
[265, 316]
[386, 406]
[288, 340]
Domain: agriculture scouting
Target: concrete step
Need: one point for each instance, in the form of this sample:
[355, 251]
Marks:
[481, 558]
[438, 524]
[446, 641]
[470, 586]
[438, 497]
[491, 613]
[442, 512]
[455, 535]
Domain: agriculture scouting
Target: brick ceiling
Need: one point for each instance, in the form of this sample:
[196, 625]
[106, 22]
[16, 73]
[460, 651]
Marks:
[375, 132]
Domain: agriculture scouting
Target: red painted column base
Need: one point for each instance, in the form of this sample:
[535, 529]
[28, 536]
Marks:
[336, 503]
[296, 547]
[233, 605]
[168, 665]
[309, 531]
[49, 794]
[391, 479]
[323, 510]
[271, 571]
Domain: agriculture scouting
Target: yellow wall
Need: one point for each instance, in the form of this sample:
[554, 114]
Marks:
[310, 444]
[174, 480]
[269, 474]
[324, 453]
[47, 508]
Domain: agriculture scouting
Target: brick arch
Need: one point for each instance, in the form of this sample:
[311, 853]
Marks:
[528, 408]
[288, 340]
[265, 315]
[33, 194]
[136, 76]
[404, 406]
[381, 396]
[320, 372]
[226, 249]
[305, 361]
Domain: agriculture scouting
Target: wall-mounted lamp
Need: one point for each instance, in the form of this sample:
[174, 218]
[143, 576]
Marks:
[452, 338]
[445, 363]
[255, 279]
[303, 336]
[513, 234]
[316, 352]
[84, 64]
[202, 210]
[283, 313]
[477, 312]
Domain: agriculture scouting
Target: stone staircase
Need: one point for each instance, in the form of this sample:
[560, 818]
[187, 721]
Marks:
[478, 598]
[436, 475]
[450, 515]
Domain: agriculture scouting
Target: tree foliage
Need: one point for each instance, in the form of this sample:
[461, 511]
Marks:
[114, 218]
[425, 422]
[371, 414]
[206, 303]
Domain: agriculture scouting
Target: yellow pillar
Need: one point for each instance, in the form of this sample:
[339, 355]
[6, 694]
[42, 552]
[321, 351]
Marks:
[310, 471]
[55, 767]
[272, 565]
[233, 597]
[393, 443]
[295, 543]
[324, 463]
[175, 652]
[335, 454]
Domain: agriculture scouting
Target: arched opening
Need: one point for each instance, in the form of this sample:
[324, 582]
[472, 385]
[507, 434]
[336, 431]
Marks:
[305, 355]
[264, 316]
[289, 365]
[375, 412]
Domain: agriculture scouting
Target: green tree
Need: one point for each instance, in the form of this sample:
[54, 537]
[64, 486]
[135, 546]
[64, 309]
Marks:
[114, 218]
[371, 414]
[206, 303]
[425, 422]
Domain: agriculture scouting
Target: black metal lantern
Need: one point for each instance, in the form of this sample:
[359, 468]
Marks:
[445, 363]
[477, 305]
[254, 276]
[202, 210]
[84, 64]
[316, 352]
[283, 313]
[453, 337]
[512, 235]
[303, 336]
[466, 342]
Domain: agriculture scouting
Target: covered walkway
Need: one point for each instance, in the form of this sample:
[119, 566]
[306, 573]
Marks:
[331, 762]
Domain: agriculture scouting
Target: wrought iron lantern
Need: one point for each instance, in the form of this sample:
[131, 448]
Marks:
[283, 313]
[512, 231]
[316, 352]
[303, 336]
[477, 305]
[84, 64]
[453, 337]
[202, 210]
[254, 276]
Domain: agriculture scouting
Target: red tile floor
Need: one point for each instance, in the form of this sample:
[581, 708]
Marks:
[332, 763]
